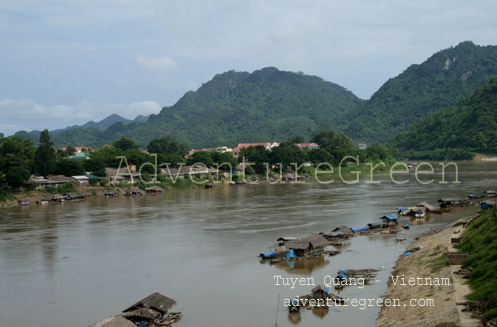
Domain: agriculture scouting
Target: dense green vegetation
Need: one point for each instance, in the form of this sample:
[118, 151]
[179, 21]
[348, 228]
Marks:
[457, 132]
[19, 158]
[481, 242]
[333, 149]
[233, 107]
[421, 90]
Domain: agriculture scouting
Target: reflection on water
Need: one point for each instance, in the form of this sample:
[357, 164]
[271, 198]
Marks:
[302, 267]
[74, 263]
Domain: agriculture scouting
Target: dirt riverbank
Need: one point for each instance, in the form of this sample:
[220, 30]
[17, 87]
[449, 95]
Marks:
[431, 261]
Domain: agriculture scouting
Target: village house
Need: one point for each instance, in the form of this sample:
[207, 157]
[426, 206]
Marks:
[122, 175]
[51, 181]
[198, 170]
[267, 145]
[82, 180]
[307, 146]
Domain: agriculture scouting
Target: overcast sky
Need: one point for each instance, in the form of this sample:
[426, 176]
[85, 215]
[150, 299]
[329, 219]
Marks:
[67, 62]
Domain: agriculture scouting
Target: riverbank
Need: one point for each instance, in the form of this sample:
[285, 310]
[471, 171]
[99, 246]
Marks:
[430, 261]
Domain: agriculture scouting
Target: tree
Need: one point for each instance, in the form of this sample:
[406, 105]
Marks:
[258, 155]
[125, 143]
[317, 156]
[287, 154]
[45, 156]
[222, 158]
[95, 166]
[201, 156]
[167, 145]
[16, 176]
[68, 167]
[16, 151]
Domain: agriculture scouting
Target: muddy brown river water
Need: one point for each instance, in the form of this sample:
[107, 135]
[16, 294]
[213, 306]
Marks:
[75, 263]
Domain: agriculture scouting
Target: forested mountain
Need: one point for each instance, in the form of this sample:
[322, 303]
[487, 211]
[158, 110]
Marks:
[421, 90]
[273, 105]
[233, 107]
[471, 125]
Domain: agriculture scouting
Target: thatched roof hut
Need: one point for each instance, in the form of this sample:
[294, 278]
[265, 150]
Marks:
[111, 193]
[86, 195]
[341, 231]
[114, 321]
[154, 189]
[154, 301]
[46, 198]
[298, 245]
[58, 197]
[72, 196]
[142, 314]
[134, 191]
[317, 241]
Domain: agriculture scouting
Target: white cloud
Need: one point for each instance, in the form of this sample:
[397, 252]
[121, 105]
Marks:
[26, 114]
[162, 64]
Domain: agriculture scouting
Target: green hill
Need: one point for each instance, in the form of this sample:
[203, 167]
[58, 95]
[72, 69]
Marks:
[471, 125]
[421, 90]
[266, 105]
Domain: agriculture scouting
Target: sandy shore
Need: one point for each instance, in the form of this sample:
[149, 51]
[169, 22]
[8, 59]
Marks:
[430, 261]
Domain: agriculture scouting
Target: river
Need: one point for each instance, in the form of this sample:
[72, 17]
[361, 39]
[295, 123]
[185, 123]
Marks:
[75, 263]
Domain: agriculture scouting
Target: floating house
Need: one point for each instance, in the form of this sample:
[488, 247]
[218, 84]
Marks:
[45, 199]
[134, 192]
[389, 219]
[149, 310]
[341, 232]
[429, 207]
[490, 194]
[72, 196]
[58, 198]
[447, 202]
[111, 194]
[307, 245]
[23, 202]
[154, 189]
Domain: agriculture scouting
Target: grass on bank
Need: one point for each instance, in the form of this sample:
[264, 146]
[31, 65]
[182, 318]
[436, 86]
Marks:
[480, 240]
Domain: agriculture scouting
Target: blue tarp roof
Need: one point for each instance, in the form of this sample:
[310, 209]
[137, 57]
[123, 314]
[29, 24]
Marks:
[402, 208]
[269, 254]
[390, 217]
[358, 229]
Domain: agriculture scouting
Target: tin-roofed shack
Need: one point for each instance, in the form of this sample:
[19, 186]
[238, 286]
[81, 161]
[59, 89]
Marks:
[389, 219]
